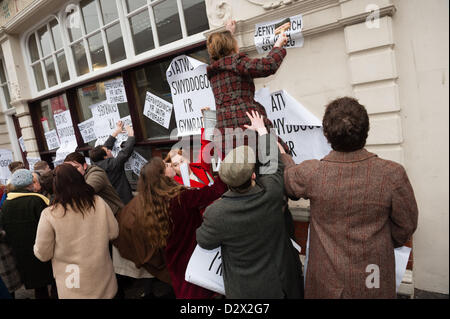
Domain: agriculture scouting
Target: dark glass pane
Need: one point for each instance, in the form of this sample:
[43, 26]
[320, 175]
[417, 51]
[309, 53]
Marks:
[134, 4]
[56, 33]
[79, 55]
[73, 24]
[62, 66]
[50, 71]
[195, 16]
[2, 72]
[90, 17]
[142, 32]
[44, 40]
[98, 56]
[109, 10]
[38, 77]
[32, 47]
[167, 22]
[115, 43]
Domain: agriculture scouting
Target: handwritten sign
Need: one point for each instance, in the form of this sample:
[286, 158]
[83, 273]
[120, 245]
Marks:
[191, 91]
[115, 92]
[135, 163]
[52, 140]
[64, 127]
[305, 139]
[6, 157]
[265, 36]
[158, 110]
[87, 130]
[106, 117]
[205, 269]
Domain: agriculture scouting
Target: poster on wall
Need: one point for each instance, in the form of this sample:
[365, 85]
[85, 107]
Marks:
[22, 144]
[135, 163]
[87, 130]
[158, 110]
[267, 33]
[64, 127]
[115, 91]
[305, 137]
[6, 157]
[105, 117]
[52, 139]
[191, 91]
[32, 161]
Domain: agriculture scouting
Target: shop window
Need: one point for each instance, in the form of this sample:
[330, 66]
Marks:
[156, 23]
[4, 88]
[46, 110]
[152, 78]
[95, 35]
[47, 57]
[91, 94]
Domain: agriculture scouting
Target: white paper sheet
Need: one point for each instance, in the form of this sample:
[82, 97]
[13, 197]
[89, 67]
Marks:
[52, 139]
[6, 157]
[265, 38]
[191, 91]
[158, 110]
[401, 261]
[115, 91]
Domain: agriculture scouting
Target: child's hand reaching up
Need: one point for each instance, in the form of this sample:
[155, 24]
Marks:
[257, 121]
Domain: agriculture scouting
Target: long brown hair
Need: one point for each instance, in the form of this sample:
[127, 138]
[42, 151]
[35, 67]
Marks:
[155, 190]
[70, 189]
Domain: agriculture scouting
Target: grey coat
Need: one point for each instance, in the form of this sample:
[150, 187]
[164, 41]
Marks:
[258, 259]
[114, 168]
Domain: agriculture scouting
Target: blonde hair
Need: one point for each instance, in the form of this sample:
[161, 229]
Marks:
[220, 44]
[172, 153]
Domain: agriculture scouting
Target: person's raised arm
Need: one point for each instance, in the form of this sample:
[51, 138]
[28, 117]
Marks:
[128, 147]
[264, 66]
[109, 143]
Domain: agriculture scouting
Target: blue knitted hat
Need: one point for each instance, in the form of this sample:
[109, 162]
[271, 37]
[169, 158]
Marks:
[21, 178]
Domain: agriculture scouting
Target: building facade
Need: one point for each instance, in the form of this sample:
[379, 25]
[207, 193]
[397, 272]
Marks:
[390, 54]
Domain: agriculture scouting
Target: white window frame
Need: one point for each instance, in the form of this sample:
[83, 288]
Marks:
[42, 58]
[131, 58]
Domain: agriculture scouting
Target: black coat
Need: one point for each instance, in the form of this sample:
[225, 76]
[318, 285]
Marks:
[20, 217]
[114, 168]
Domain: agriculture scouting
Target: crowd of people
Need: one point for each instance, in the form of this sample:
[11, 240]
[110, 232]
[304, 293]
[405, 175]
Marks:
[65, 232]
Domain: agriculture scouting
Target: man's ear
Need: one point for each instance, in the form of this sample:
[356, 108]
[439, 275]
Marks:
[85, 165]
[253, 176]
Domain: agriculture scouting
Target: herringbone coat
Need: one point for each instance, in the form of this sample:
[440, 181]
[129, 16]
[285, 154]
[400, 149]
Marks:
[362, 207]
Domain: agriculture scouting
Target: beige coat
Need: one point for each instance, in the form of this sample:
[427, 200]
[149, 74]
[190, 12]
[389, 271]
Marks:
[78, 248]
[362, 207]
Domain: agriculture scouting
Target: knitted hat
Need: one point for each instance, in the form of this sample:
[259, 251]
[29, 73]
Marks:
[238, 166]
[21, 178]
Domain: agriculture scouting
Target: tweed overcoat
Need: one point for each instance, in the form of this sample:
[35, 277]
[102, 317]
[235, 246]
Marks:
[362, 207]
[231, 80]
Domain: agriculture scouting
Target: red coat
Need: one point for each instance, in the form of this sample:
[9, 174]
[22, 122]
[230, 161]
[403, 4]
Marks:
[231, 80]
[186, 218]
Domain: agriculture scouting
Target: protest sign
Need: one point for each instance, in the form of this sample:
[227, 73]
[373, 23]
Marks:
[135, 162]
[205, 268]
[126, 121]
[115, 92]
[22, 144]
[6, 157]
[64, 127]
[265, 36]
[32, 161]
[87, 130]
[191, 91]
[105, 117]
[52, 139]
[67, 147]
[305, 139]
[158, 110]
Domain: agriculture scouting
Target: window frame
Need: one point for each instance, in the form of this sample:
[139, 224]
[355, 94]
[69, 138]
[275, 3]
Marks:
[53, 54]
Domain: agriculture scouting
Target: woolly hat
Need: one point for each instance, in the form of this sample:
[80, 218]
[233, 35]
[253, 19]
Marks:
[238, 166]
[21, 178]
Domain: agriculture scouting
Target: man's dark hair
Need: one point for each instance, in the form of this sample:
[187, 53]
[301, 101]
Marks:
[97, 154]
[346, 124]
[75, 157]
[14, 166]
[46, 181]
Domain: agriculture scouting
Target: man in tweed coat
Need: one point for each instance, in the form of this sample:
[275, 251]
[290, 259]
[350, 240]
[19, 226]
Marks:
[362, 207]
